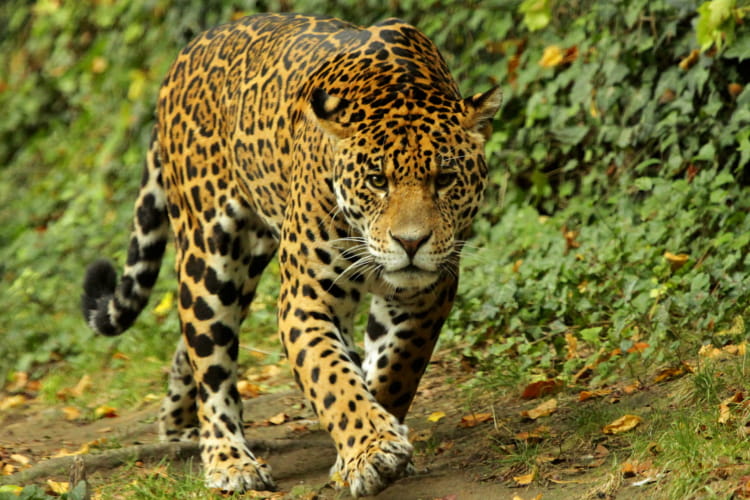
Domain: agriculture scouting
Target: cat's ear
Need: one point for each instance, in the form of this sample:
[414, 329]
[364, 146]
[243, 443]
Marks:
[330, 113]
[480, 109]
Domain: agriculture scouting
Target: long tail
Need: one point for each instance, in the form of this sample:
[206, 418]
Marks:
[108, 307]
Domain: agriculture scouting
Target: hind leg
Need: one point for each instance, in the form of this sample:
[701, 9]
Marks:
[178, 416]
[216, 287]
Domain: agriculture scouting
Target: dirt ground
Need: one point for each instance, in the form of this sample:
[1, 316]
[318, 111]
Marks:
[454, 462]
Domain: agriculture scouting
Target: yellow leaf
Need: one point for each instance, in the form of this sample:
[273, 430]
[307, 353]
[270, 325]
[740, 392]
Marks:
[551, 57]
[82, 386]
[278, 419]
[544, 409]
[676, 261]
[18, 382]
[725, 411]
[586, 395]
[689, 61]
[670, 373]
[526, 479]
[105, 411]
[622, 424]
[247, 389]
[338, 480]
[572, 343]
[58, 488]
[737, 328]
[165, 304]
[436, 416]
[21, 459]
[474, 419]
[98, 65]
[71, 412]
[12, 401]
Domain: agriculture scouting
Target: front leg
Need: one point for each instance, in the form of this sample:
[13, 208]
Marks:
[373, 448]
[401, 335]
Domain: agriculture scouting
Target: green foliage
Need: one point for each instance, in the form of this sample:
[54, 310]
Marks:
[614, 146]
[34, 492]
[717, 21]
[536, 13]
[614, 154]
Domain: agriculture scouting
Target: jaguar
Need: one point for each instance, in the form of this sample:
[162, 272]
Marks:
[350, 153]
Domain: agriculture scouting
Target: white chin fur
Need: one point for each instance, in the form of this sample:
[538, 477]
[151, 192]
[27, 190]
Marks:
[410, 279]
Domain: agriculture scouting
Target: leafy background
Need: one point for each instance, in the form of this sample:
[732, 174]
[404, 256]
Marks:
[615, 236]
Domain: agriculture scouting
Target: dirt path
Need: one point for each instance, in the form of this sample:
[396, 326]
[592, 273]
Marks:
[454, 462]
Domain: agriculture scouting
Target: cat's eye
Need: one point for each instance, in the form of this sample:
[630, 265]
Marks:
[378, 181]
[445, 179]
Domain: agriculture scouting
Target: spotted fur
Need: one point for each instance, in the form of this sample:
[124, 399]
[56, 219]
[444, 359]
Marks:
[351, 151]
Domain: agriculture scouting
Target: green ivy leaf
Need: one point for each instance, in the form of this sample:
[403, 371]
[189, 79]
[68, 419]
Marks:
[536, 13]
[740, 48]
[711, 26]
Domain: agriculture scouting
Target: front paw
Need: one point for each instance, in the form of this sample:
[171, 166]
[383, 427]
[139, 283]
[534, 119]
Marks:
[232, 467]
[375, 464]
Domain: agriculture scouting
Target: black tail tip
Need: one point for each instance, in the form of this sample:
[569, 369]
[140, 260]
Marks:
[98, 288]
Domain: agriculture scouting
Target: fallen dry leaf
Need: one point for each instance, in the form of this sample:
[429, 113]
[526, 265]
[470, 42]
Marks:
[474, 419]
[71, 413]
[85, 448]
[672, 373]
[743, 490]
[544, 409]
[278, 419]
[638, 347]
[634, 387]
[299, 428]
[534, 436]
[12, 401]
[436, 416]
[712, 352]
[725, 410]
[632, 469]
[58, 488]
[443, 447]
[247, 389]
[21, 459]
[628, 469]
[598, 393]
[571, 342]
[105, 411]
[551, 57]
[151, 397]
[17, 382]
[525, 479]
[82, 386]
[541, 388]
[622, 424]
